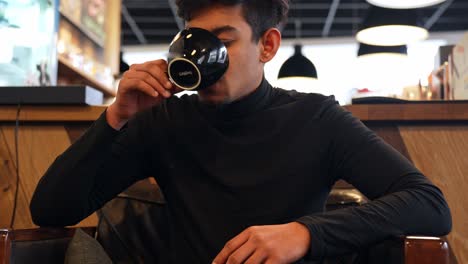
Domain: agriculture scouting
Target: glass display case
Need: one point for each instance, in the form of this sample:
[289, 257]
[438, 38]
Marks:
[28, 37]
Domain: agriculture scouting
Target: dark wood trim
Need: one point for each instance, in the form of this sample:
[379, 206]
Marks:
[411, 112]
[5, 246]
[370, 112]
[47, 233]
[7, 236]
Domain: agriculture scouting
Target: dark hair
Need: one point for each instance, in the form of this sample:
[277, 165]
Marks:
[259, 14]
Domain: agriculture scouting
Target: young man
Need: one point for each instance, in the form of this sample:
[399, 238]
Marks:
[245, 168]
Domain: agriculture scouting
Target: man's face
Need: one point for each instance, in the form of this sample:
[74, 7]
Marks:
[245, 70]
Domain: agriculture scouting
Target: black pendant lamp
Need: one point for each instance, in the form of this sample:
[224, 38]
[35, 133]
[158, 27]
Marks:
[391, 27]
[382, 69]
[373, 58]
[365, 49]
[297, 66]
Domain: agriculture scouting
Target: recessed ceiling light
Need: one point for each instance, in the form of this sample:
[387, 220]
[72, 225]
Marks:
[404, 4]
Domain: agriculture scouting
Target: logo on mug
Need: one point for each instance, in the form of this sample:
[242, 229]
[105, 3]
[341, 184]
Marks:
[185, 73]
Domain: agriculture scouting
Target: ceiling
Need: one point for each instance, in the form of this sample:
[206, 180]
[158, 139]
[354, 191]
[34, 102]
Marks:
[154, 21]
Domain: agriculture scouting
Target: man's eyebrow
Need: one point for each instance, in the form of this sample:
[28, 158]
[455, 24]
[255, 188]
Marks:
[222, 29]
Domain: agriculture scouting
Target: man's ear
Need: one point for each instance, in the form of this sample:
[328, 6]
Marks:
[269, 44]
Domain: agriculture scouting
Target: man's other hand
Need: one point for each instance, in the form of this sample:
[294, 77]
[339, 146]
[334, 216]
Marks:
[269, 244]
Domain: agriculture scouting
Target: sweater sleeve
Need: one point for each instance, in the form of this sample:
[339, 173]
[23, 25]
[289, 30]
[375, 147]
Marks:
[404, 202]
[99, 165]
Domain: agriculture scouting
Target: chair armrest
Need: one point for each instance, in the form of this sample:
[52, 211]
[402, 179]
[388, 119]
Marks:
[420, 249]
[53, 236]
[5, 245]
[410, 250]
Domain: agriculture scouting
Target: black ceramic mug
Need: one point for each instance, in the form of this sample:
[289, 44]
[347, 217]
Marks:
[197, 59]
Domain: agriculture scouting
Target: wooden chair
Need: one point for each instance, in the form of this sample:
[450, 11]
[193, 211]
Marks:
[418, 250]
[49, 244]
[39, 245]
[410, 250]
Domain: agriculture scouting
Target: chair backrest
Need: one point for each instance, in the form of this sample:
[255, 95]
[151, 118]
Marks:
[133, 227]
[344, 197]
[38, 245]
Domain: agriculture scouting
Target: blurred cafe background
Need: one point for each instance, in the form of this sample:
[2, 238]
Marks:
[401, 66]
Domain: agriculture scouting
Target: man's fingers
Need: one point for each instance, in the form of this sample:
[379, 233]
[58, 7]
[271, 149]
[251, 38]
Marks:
[241, 254]
[272, 244]
[142, 86]
[149, 79]
[160, 75]
[259, 256]
[231, 246]
[158, 69]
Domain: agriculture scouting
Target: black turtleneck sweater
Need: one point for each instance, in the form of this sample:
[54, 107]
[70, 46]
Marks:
[268, 158]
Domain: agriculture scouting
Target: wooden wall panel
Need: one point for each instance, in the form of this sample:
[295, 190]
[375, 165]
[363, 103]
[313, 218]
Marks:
[38, 148]
[8, 189]
[57, 114]
[442, 155]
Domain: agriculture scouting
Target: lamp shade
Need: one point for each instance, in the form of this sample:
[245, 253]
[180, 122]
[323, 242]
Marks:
[384, 70]
[376, 56]
[297, 66]
[404, 4]
[391, 27]
[365, 49]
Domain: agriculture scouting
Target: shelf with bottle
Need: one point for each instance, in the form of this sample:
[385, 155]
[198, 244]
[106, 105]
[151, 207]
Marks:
[72, 73]
[100, 41]
[89, 17]
[88, 43]
[83, 59]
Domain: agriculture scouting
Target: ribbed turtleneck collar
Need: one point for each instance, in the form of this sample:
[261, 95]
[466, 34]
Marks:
[253, 102]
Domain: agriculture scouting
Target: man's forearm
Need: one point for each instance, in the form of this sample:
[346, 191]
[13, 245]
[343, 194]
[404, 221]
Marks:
[421, 211]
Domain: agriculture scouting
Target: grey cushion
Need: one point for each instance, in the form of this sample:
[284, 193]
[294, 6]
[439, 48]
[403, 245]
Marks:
[134, 226]
[83, 249]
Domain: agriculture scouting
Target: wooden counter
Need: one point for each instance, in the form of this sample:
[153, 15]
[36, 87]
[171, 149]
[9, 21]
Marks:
[51, 113]
[433, 136]
[371, 112]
